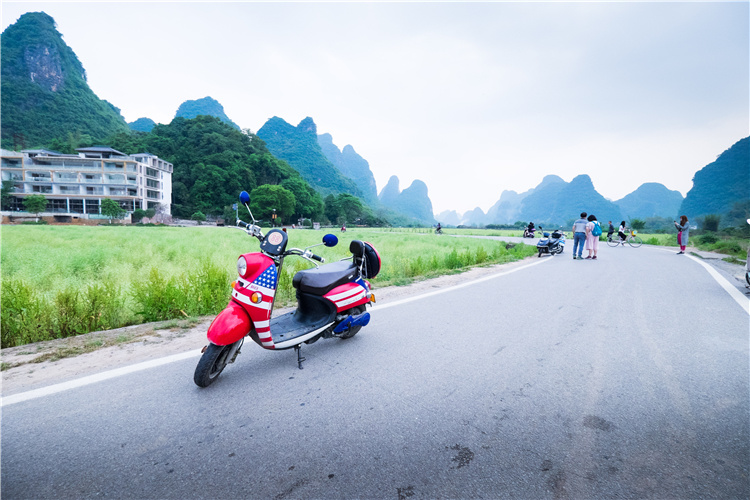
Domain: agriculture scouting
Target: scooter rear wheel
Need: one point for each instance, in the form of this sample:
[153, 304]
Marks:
[211, 364]
[355, 329]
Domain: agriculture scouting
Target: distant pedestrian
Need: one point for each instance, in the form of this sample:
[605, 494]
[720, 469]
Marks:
[610, 231]
[592, 240]
[579, 235]
[683, 230]
[621, 232]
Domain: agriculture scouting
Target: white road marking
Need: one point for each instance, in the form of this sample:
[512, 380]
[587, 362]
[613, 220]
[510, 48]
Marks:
[743, 301]
[92, 379]
[738, 296]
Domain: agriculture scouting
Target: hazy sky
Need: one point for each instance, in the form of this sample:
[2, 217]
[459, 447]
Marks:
[471, 98]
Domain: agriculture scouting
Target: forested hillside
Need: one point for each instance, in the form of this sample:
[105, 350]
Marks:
[44, 90]
[414, 201]
[213, 162]
[352, 165]
[206, 106]
[651, 200]
[722, 187]
[299, 147]
[556, 202]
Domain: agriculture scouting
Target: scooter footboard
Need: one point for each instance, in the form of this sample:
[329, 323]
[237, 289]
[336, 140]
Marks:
[230, 325]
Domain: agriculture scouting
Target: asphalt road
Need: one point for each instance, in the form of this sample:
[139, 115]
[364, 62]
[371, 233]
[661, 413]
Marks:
[625, 377]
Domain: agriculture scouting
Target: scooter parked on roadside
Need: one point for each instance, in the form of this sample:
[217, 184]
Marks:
[331, 300]
[551, 243]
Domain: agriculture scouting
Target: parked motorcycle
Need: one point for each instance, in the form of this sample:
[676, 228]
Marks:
[331, 300]
[551, 243]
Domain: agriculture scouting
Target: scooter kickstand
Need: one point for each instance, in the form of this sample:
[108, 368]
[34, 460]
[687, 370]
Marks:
[300, 359]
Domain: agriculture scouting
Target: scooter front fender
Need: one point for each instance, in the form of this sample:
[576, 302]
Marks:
[230, 325]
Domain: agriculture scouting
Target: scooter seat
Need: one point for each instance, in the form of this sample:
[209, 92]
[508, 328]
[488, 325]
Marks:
[323, 279]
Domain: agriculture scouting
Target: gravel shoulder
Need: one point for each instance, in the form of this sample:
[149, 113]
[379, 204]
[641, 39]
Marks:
[38, 365]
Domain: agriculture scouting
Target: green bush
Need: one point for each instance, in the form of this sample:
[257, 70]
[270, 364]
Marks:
[24, 315]
[708, 239]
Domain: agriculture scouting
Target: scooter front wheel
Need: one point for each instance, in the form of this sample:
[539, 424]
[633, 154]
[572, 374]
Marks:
[211, 364]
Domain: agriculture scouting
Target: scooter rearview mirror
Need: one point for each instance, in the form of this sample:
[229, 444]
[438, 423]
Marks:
[330, 240]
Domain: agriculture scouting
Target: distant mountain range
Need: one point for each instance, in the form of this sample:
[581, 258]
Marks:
[412, 201]
[46, 102]
[352, 165]
[556, 202]
[299, 147]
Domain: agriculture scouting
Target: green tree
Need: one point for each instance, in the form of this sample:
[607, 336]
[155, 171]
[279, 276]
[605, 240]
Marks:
[198, 217]
[331, 208]
[112, 209]
[637, 224]
[6, 194]
[35, 203]
[350, 207]
[711, 222]
[267, 197]
[308, 202]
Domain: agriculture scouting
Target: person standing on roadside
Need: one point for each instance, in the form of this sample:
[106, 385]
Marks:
[592, 239]
[683, 230]
[610, 231]
[579, 235]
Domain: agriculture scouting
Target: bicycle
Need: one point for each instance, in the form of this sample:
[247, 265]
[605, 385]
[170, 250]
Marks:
[631, 239]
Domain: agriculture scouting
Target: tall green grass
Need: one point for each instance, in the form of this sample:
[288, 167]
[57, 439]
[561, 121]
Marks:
[59, 281]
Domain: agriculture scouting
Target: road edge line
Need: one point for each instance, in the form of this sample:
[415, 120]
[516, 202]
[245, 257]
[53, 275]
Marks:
[738, 297]
[91, 379]
[145, 365]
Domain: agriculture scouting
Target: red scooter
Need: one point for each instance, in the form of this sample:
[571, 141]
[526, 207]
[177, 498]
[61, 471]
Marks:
[331, 300]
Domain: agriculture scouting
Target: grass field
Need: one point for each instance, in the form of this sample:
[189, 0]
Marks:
[59, 281]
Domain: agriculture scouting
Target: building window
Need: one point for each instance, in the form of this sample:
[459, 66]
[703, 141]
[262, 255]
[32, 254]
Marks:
[116, 179]
[11, 163]
[70, 190]
[76, 206]
[66, 177]
[92, 206]
[152, 183]
[41, 189]
[38, 176]
[58, 205]
[94, 190]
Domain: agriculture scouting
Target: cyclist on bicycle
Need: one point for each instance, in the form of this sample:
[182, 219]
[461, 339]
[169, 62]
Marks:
[621, 232]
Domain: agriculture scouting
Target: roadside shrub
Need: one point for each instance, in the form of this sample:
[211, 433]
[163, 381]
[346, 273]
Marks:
[708, 239]
[23, 317]
[158, 298]
[452, 260]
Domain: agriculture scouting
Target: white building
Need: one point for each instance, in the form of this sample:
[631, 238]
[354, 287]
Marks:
[76, 184]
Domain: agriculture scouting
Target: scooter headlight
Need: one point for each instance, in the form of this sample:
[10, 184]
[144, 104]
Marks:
[241, 266]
